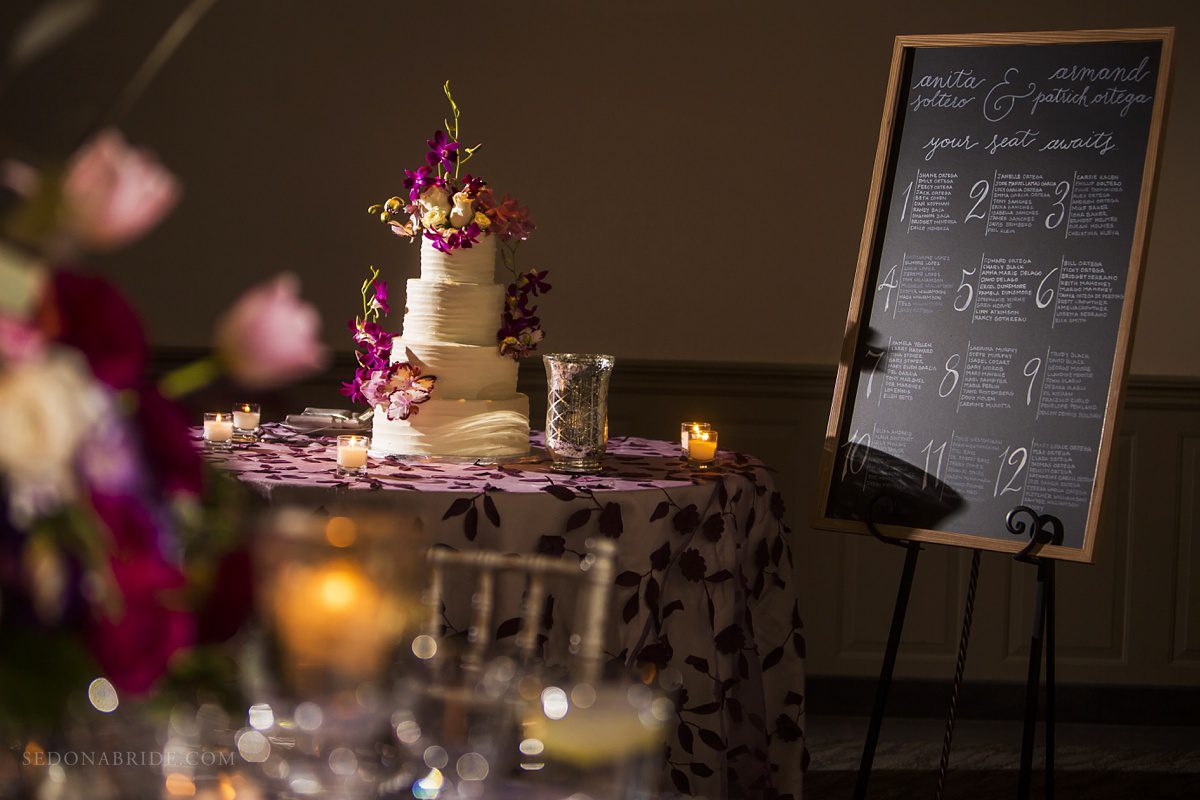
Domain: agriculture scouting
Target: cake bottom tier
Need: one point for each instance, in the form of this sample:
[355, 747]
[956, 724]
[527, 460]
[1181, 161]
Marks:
[449, 427]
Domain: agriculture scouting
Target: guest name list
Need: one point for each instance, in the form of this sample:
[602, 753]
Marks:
[994, 303]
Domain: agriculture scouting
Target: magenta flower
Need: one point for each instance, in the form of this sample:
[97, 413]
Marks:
[441, 150]
[418, 180]
[379, 302]
[398, 389]
[96, 319]
[473, 185]
[454, 239]
[535, 282]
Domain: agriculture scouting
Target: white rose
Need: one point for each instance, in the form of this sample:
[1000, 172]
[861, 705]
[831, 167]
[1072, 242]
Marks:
[435, 197]
[463, 213]
[47, 408]
[434, 218]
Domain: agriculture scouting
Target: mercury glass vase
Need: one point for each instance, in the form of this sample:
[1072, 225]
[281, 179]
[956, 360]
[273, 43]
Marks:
[577, 410]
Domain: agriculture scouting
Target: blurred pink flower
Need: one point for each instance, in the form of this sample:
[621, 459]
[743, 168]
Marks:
[114, 193]
[269, 336]
[19, 342]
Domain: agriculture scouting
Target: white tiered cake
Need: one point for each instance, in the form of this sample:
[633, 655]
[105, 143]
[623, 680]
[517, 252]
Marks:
[451, 316]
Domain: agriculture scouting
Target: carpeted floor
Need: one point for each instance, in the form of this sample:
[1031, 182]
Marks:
[1096, 762]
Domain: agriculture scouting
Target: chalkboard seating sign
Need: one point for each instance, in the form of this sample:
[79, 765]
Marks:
[994, 301]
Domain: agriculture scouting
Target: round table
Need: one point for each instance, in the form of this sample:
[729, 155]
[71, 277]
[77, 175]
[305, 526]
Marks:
[703, 589]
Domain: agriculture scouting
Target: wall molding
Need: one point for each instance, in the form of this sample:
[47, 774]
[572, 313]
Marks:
[1078, 703]
[674, 377]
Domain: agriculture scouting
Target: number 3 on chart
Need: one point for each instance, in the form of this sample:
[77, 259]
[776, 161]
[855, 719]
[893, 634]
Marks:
[1055, 217]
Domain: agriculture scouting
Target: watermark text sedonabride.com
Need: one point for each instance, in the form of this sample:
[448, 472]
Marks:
[126, 758]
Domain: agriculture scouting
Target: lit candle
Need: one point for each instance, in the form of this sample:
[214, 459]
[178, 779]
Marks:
[334, 615]
[352, 453]
[218, 429]
[246, 416]
[702, 448]
[686, 429]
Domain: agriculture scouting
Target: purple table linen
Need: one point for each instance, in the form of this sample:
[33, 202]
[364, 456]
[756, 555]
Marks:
[703, 592]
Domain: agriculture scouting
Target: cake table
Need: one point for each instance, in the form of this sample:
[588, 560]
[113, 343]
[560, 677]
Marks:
[703, 591]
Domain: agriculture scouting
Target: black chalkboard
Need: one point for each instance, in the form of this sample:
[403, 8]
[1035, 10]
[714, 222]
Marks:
[997, 282]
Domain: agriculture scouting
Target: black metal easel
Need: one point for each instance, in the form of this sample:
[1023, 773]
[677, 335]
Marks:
[911, 551]
[1045, 529]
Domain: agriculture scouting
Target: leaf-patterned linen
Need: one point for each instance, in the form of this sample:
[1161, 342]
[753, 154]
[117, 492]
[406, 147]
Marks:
[703, 590]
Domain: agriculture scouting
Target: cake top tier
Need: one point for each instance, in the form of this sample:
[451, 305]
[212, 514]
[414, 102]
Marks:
[475, 264]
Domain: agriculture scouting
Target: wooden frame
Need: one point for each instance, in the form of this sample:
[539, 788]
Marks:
[872, 226]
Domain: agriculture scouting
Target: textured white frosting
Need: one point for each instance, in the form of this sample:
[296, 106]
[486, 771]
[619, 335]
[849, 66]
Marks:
[457, 428]
[451, 317]
[473, 372]
[476, 264]
[466, 313]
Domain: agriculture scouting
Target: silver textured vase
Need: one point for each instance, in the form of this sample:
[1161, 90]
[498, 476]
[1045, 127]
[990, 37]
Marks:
[577, 410]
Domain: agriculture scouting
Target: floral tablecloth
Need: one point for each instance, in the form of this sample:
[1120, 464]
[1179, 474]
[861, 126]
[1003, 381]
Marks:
[703, 589]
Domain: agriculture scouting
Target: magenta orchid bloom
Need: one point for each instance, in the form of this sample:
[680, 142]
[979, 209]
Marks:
[535, 281]
[379, 302]
[418, 180]
[442, 150]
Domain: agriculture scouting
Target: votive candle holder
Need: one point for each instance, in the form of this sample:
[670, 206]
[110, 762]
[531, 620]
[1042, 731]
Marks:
[246, 417]
[352, 454]
[702, 449]
[688, 428]
[218, 430]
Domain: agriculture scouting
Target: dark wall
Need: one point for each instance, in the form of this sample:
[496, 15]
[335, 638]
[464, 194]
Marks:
[698, 170]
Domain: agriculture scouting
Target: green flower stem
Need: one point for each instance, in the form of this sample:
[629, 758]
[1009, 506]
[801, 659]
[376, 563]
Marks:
[190, 377]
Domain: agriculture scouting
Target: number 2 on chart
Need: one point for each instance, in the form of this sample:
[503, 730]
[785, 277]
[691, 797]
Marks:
[979, 193]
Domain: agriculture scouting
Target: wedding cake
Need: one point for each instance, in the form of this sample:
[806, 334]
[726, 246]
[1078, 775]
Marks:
[451, 316]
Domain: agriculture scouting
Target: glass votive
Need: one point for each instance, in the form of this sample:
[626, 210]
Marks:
[218, 430]
[688, 428]
[246, 417]
[702, 448]
[352, 454]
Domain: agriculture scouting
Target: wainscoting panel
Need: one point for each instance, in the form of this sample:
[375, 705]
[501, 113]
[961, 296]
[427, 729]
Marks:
[1131, 618]
[1187, 574]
